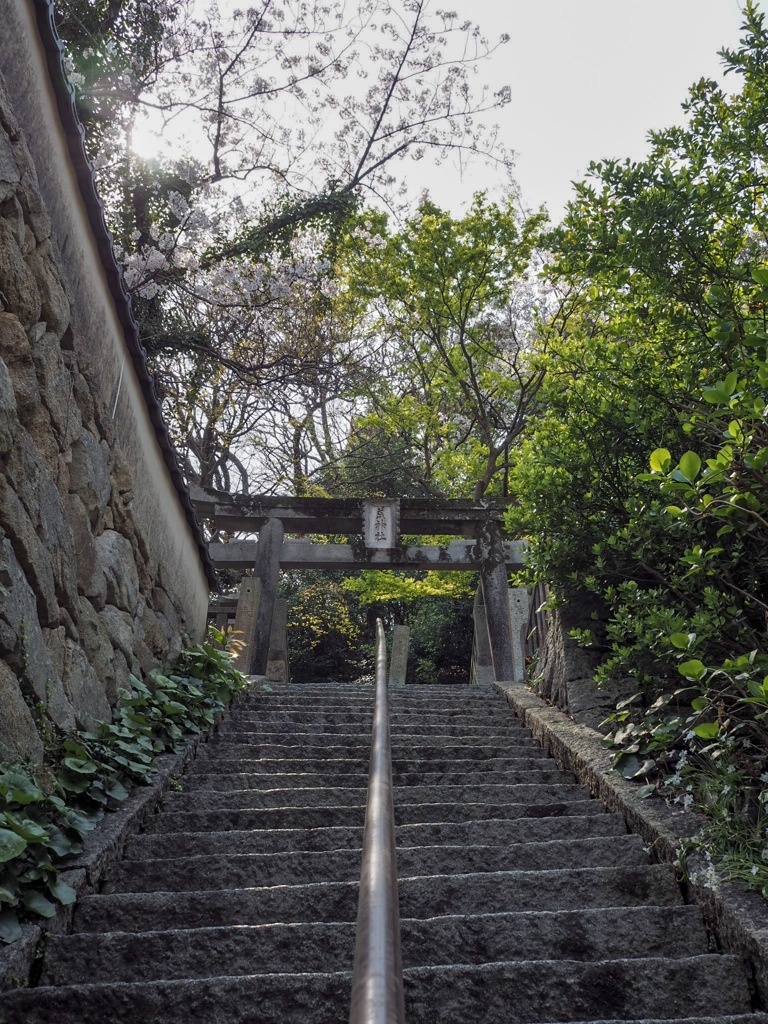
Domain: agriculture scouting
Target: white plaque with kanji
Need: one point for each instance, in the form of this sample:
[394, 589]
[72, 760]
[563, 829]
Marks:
[381, 523]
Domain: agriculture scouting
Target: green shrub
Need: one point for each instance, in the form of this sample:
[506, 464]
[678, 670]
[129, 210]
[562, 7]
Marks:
[46, 811]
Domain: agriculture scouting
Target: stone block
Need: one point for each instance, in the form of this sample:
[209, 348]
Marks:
[119, 629]
[17, 282]
[398, 662]
[85, 691]
[590, 705]
[157, 633]
[121, 676]
[90, 578]
[482, 662]
[9, 416]
[95, 641]
[115, 560]
[56, 536]
[278, 668]
[245, 619]
[32, 556]
[565, 671]
[17, 354]
[519, 604]
[82, 394]
[163, 604]
[9, 172]
[89, 477]
[56, 699]
[55, 382]
[121, 472]
[29, 194]
[12, 213]
[19, 739]
[55, 307]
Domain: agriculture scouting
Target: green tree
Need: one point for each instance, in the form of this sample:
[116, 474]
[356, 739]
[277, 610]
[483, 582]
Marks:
[449, 309]
[642, 477]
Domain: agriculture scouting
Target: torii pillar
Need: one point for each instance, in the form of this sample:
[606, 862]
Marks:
[267, 571]
[495, 584]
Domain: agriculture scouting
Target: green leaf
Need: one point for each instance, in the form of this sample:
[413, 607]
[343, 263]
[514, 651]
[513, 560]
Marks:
[689, 465]
[645, 791]
[77, 764]
[63, 892]
[730, 382]
[26, 828]
[11, 845]
[707, 730]
[22, 787]
[37, 903]
[760, 275]
[699, 703]
[693, 669]
[679, 640]
[117, 790]
[6, 896]
[61, 844]
[660, 460]
[715, 396]
[10, 929]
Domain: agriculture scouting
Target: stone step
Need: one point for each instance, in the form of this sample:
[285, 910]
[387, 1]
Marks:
[526, 775]
[508, 993]
[740, 1018]
[315, 743]
[420, 896]
[579, 935]
[269, 731]
[345, 766]
[235, 871]
[315, 796]
[224, 819]
[315, 751]
[305, 713]
[153, 845]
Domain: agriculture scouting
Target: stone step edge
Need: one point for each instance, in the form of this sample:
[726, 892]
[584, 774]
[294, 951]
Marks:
[501, 915]
[408, 972]
[739, 919]
[102, 851]
[356, 851]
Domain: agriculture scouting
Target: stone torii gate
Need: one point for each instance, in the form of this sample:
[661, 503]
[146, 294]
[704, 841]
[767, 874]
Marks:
[377, 525]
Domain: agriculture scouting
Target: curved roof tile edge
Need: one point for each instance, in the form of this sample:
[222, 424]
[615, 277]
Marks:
[75, 135]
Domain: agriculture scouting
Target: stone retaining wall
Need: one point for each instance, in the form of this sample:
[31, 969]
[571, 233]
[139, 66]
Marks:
[564, 672]
[84, 598]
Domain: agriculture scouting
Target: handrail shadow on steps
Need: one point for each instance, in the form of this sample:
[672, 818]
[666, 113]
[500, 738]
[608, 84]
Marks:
[377, 978]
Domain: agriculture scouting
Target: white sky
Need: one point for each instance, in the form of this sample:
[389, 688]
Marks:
[589, 78]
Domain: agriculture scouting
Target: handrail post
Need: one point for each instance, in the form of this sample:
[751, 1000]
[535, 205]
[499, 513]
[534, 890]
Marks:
[377, 979]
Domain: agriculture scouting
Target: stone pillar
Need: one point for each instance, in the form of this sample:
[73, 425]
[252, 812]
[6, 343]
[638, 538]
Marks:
[278, 669]
[267, 571]
[482, 663]
[398, 662]
[493, 575]
[519, 605]
[245, 619]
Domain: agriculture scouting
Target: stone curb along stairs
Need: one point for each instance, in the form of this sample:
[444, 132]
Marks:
[522, 899]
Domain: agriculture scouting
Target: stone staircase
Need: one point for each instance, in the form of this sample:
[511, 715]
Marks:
[521, 899]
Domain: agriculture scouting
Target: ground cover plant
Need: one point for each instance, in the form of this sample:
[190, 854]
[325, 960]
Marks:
[47, 810]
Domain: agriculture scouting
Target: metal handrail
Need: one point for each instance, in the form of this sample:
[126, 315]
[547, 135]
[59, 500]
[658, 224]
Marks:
[377, 979]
